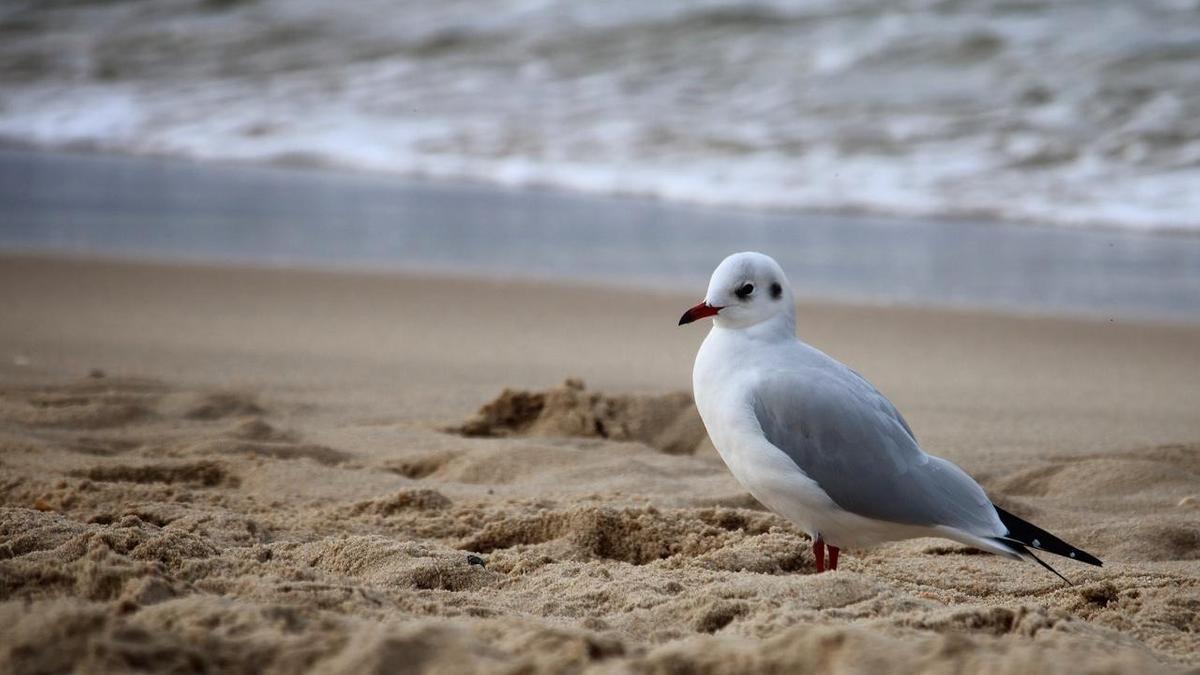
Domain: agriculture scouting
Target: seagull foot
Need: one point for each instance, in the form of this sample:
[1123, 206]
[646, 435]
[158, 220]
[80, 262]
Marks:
[819, 547]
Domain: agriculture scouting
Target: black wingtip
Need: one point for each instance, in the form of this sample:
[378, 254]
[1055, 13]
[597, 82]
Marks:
[1023, 550]
[1032, 536]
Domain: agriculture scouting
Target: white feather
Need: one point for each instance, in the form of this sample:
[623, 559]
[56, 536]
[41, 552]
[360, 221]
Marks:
[813, 440]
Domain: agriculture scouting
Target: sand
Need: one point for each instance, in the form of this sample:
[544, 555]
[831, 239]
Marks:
[251, 470]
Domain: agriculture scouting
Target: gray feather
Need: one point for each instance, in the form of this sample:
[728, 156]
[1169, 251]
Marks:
[846, 436]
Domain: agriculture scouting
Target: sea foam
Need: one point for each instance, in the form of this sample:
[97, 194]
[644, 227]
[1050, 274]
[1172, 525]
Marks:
[969, 109]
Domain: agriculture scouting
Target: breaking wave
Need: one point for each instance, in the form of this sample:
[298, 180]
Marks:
[1072, 113]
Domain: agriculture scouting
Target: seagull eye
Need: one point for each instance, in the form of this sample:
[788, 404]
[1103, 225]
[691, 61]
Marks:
[745, 291]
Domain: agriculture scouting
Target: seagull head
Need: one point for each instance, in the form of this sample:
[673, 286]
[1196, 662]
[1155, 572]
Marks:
[746, 289]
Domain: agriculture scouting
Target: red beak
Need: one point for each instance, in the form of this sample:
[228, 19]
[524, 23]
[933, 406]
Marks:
[699, 312]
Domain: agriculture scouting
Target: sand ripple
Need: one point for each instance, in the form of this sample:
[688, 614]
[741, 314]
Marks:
[564, 530]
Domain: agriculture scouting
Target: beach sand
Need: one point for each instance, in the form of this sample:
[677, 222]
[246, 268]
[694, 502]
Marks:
[254, 470]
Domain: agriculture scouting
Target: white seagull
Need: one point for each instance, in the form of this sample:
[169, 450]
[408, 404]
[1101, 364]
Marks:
[816, 443]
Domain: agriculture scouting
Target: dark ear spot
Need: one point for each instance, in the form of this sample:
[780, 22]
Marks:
[776, 290]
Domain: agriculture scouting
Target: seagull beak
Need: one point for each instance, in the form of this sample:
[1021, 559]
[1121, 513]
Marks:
[699, 312]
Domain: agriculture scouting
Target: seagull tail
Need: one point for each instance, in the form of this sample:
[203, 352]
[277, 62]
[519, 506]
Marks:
[1023, 535]
[1024, 552]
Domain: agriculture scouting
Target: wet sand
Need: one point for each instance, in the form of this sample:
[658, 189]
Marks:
[252, 470]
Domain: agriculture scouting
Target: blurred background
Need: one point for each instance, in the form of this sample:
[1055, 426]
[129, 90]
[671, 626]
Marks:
[1033, 155]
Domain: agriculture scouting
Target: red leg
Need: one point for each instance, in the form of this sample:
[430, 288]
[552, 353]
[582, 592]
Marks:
[819, 554]
[833, 554]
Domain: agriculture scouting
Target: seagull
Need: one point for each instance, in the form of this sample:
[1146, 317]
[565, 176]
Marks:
[815, 442]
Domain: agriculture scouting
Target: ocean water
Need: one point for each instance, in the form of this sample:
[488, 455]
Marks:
[198, 211]
[1061, 112]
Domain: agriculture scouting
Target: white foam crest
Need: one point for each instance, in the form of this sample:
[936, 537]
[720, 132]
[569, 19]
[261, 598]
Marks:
[920, 109]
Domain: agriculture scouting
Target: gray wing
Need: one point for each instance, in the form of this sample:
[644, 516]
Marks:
[846, 436]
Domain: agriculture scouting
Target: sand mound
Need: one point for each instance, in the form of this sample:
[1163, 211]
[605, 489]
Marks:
[85, 404]
[176, 636]
[640, 536]
[219, 405]
[388, 564]
[63, 559]
[669, 422]
[1165, 476]
[774, 553]
[420, 466]
[102, 446]
[73, 413]
[204, 473]
[827, 649]
[273, 449]
[99, 402]
[1174, 469]
[424, 500]
[438, 648]
[257, 429]
[1171, 536]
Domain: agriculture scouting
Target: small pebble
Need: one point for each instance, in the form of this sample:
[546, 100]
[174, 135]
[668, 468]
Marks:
[475, 560]
[96, 373]
[1192, 501]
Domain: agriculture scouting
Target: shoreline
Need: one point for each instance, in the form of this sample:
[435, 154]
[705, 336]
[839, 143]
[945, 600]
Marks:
[449, 274]
[166, 209]
[468, 183]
